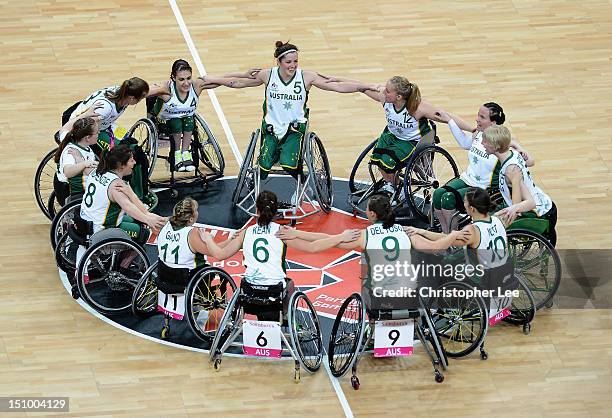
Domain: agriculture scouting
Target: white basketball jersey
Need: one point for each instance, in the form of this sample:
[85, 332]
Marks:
[176, 108]
[96, 205]
[403, 125]
[385, 246]
[542, 201]
[285, 102]
[108, 113]
[492, 249]
[481, 166]
[264, 255]
[67, 158]
[174, 250]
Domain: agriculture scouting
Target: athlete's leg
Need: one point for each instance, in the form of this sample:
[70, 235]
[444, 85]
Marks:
[291, 150]
[446, 205]
[390, 154]
[269, 151]
[187, 128]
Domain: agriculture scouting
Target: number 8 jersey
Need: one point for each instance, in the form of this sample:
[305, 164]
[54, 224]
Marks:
[96, 205]
[264, 255]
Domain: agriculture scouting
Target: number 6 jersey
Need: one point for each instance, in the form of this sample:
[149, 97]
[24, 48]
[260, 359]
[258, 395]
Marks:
[264, 255]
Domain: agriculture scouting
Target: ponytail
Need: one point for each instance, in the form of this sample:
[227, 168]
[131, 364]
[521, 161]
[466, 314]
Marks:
[113, 159]
[267, 206]
[80, 129]
[380, 205]
[480, 200]
[182, 212]
[409, 92]
[135, 87]
[283, 48]
[496, 113]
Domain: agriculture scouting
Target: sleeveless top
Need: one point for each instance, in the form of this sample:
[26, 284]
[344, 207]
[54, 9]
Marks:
[176, 108]
[109, 112]
[96, 205]
[264, 255]
[403, 125]
[542, 201]
[174, 250]
[285, 102]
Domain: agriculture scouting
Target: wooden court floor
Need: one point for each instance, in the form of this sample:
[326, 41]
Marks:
[546, 62]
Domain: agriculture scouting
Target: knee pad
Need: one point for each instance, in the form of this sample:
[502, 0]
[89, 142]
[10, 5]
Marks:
[142, 236]
[448, 201]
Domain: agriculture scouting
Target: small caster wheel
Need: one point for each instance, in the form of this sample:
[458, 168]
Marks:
[217, 364]
[483, 355]
[74, 291]
[549, 304]
[174, 193]
[527, 328]
[355, 382]
[165, 333]
[296, 376]
[439, 377]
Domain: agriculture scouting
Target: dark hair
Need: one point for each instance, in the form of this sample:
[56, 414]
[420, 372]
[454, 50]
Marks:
[135, 87]
[496, 113]
[182, 212]
[480, 200]
[179, 65]
[81, 128]
[267, 205]
[380, 205]
[115, 158]
[283, 47]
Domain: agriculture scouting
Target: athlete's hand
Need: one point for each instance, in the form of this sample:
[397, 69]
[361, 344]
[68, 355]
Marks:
[351, 235]
[509, 214]
[205, 236]
[462, 236]
[156, 222]
[92, 111]
[444, 116]
[252, 73]
[286, 233]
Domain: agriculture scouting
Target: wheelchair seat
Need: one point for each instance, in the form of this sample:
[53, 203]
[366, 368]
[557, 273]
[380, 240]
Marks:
[81, 230]
[388, 314]
[171, 280]
[537, 225]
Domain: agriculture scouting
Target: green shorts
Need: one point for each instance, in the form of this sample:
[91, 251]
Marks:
[444, 199]
[287, 151]
[390, 152]
[135, 230]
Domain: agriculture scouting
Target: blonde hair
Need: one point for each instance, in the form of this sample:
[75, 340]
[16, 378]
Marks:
[182, 212]
[499, 136]
[409, 92]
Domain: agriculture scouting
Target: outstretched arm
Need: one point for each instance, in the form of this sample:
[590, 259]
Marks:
[436, 114]
[158, 89]
[349, 237]
[237, 82]
[227, 251]
[155, 222]
[326, 83]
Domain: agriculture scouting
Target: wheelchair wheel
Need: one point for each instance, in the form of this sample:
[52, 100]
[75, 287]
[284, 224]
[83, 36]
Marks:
[65, 256]
[536, 262]
[229, 321]
[305, 332]
[206, 298]
[318, 164]
[145, 132]
[365, 180]
[347, 334]
[108, 273]
[43, 184]
[460, 323]
[144, 300]
[246, 180]
[427, 171]
[429, 332]
[60, 223]
[523, 308]
[208, 149]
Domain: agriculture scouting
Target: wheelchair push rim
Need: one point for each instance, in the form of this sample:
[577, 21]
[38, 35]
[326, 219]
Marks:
[347, 334]
[145, 133]
[305, 332]
[208, 150]
[62, 220]
[229, 321]
[246, 174]
[144, 299]
[43, 184]
[318, 164]
[207, 296]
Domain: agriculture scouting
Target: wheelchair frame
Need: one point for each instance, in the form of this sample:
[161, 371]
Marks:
[315, 184]
[230, 329]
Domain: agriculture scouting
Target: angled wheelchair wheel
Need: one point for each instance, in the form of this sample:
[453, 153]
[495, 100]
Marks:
[108, 273]
[145, 132]
[428, 330]
[346, 335]
[461, 323]
[537, 264]
[144, 299]
[43, 184]
[318, 164]
[208, 150]
[246, 176]
[206, 300]
[429, 169]
[305, 332]
[65, 255]
[523, 307]
[60, 223]
[231, 318]
[365, 180]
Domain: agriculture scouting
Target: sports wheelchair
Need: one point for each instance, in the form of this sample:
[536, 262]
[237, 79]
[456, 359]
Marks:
[110, 264]
[415, 180]
[202, 294]
[303, 342]
[207, 157]
[314, 184]
[352, 334]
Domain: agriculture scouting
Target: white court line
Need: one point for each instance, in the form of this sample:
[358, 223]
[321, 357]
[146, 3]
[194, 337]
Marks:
[202, 71]
[339, 392]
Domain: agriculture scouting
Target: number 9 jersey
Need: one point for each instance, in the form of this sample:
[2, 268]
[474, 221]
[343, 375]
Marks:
[264, 255]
